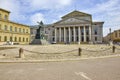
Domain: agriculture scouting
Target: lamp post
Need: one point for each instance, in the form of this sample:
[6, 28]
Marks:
[110, 33]
[110, 40]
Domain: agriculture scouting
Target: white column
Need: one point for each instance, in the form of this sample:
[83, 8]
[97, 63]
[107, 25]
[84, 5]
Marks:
[74, 34]
[59, 34]
[64, 34]
[89, 33]
[84, 34]
[79, 34]
[55, 35]
[69, 35]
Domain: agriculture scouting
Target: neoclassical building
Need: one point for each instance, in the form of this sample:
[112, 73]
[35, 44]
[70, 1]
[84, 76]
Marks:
[75, 27]
[11, 31]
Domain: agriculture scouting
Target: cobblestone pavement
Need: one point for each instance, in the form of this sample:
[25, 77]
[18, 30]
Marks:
[44, 52]
[93, 69]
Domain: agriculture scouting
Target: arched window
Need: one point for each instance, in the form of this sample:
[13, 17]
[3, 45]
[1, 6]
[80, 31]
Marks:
[0, 38]
[15, 39]
[5, 38]
[19, 39]
[0, 26]
[23, 39]
[10, 38]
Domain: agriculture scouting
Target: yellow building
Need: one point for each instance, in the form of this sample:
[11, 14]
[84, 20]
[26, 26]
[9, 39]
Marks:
[12, 31]
[114, 36]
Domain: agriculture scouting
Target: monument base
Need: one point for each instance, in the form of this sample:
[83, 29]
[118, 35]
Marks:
[36, 41]
[40, 42]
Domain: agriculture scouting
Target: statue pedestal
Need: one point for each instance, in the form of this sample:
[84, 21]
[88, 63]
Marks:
[36, 41]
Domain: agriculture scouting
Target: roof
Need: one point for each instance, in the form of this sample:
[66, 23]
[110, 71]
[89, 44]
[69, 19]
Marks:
[4, 10]
[75, 13]
[14, 23]
[98, 22]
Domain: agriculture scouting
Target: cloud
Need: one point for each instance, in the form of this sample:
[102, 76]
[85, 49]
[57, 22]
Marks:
[109, 12]
[37, 17]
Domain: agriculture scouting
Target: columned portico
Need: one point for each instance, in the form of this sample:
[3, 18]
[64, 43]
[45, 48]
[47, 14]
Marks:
[65, 34]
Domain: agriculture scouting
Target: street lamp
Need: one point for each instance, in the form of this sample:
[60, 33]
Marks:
[110, 33]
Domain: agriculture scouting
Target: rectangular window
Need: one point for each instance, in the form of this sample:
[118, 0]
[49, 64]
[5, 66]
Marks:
[11, 28]
[23, 30]
[27, 31]
[115, 34]
[15, 29]
[0, 27]
[26, 39]
[19, 39]
[5, 28]
[95, 38]
[0, 16]
[6, 17]
[5, 38]
[19, 29]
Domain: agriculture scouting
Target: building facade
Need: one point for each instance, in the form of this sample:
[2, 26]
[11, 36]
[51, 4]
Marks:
[75, 27]
[114, 36]
[12, 31]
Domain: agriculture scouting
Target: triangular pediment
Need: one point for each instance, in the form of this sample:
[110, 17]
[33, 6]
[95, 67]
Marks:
[75, 14]
[72, 21]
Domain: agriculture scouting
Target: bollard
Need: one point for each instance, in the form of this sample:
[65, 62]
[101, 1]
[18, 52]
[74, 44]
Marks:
[79, 51]
[113, 49]
[21, 54]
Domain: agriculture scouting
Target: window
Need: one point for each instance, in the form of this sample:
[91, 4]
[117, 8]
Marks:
[6, 17]
[95, 38]
[10, 38]
[0, 16]
[19, 39]
[15, 39]
[87, 39]
[115, 34]
[27, 31]
[23, 39]
[82, 32]
[11, 28]
[87, 32]
[5, 28]
[5, 38]
[0, 27]
[26, 39]
[0, 38]
[15, 29]
[95, 31]
[19, 29]
[23, 30]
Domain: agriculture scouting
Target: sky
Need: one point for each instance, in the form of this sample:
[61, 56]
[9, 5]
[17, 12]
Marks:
[50, 11]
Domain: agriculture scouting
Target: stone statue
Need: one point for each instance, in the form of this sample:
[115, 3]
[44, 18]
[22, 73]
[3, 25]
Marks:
[39, 34]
